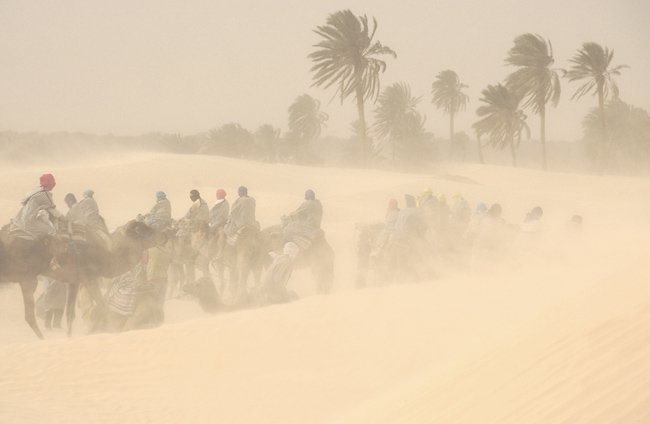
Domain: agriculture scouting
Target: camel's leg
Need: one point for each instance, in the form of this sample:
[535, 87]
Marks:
[243, 270]
[101, 308]
[190, 272]
[95, 293]
[71, 304]
[28, 288]
[175, 275]
[221, 271]
[322, 269]
[234, 279]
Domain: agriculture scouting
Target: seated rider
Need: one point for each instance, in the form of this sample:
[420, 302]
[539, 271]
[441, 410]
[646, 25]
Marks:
[242, 213]
[218, 218]
[410, 224]
[89, 213]
[84, 219]
[38, 214]
[160, 216]
[219, 212]
[197, 215]
[306, 220]
[390, 222]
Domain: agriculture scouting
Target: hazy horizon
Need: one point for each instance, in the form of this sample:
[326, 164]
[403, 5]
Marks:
[132, 68]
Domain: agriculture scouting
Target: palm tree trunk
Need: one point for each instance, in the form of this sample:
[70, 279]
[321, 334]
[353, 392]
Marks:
[362, 124]
[512, 151]
[451, 135]
[604, 151]
[480, 149]
[542, 132]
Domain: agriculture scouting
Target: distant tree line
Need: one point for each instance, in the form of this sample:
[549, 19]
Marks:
[349, 60]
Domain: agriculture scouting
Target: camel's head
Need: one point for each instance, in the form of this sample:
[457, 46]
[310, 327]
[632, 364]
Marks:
[143, 234]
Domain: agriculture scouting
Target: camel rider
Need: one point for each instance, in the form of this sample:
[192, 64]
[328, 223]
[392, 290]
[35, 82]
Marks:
[89, 212]
[199, 211]
[392, 213]
[197, 214]
[38, 214]
[74, 212]
[218, 218]
[160, 216]
[242, 213]
[390, 221]
[86, 214]
[305, 221]
[159, 258]
[219, 212]
[409, 224]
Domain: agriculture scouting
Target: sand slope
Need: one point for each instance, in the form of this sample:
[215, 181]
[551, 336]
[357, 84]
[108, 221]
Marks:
[559, 335]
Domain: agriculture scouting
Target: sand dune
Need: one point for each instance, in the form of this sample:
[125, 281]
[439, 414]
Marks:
[557, 334]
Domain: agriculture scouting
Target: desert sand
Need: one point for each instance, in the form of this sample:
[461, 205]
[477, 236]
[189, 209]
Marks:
[558, 332]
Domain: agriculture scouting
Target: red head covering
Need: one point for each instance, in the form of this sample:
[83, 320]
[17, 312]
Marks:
[221, 194]
[47, 181]
[392, 204]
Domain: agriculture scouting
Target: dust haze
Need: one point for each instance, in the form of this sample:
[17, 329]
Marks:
[474, 263]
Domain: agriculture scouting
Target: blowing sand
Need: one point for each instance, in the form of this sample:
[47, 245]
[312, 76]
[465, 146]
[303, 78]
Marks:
[558, 334]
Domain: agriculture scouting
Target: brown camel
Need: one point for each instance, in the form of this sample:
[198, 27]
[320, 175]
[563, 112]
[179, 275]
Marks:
[22, 260]
[76, 261]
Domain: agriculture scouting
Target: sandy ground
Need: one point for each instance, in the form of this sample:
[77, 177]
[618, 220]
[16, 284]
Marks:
[558, 333]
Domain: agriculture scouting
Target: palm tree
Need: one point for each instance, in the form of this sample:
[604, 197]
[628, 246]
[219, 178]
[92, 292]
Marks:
[305, 118]
[628, 128]
[534, 80]
[479, 146]
[396, 117]
[448, 95]
[266, 138]
[228, 140]
[348, 58]
[501, 119]
[593, 63]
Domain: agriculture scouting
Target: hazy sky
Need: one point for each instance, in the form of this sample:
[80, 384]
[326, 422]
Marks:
[130, 67]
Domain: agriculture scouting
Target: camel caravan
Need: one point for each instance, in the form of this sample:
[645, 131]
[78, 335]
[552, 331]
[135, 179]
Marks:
[431, 234]
[127, 275]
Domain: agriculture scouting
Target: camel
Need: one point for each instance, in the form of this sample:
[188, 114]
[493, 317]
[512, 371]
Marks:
[369, 244]
[22, 260]
[239, 258]
[76, 261]
[318, 256]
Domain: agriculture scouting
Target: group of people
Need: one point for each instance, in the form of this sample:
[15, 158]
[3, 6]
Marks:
[39, 217]
[410, 239]
[225, 223]
[414, 240]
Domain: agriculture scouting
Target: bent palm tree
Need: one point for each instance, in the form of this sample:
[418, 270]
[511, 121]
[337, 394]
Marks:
[305, 118]
[396, 118]
[535, 81]
[593, 63]
[348, 58]
[448, 95]
[501, 119]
